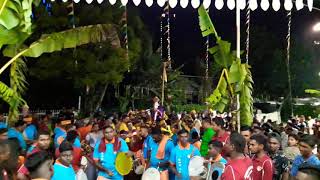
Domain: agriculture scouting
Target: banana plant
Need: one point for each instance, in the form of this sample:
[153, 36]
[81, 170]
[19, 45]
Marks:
[16, 26]
[235, 78]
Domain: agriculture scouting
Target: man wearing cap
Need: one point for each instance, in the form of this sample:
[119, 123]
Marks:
[280, 162]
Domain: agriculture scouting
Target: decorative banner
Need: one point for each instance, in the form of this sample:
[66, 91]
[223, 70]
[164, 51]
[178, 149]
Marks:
[265, 4]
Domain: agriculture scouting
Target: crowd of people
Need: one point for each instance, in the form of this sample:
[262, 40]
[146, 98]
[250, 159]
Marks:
[68, 148]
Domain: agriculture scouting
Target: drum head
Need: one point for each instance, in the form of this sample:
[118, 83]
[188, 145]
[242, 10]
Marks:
[123, 164]
[196, 166]
[151, 174]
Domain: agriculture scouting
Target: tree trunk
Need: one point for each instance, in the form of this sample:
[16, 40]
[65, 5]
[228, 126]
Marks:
[103, 93]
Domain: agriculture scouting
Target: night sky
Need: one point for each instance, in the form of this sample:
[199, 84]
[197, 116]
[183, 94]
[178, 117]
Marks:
[188, 44]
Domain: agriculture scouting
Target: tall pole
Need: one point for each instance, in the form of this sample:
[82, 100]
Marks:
[288, 61]
[238, 56]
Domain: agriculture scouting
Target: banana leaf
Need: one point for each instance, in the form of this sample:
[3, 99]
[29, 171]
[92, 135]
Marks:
[67, 39]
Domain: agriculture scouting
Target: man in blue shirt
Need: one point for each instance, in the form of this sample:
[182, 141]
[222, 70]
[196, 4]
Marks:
[62, 168]
[30, 132]
[306, 145]
[146, 143]
[181, 155]
[16, 132]
[105, 153]
[2, 122]
[160, 150]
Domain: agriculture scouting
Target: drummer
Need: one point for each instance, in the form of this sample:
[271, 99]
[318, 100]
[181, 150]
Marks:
[160, 151]
[181, 155]
[105, 153]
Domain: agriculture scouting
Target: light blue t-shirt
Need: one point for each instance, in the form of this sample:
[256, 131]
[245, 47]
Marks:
[30, 133]
[63, 172]
[181, 158]
[107, 159]
[313, 160]
[13, 133]
[154, 162]
[58, 132]
[146, 146]
[3, 125]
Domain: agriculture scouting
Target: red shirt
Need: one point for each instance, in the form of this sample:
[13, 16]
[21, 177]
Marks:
[238, 169]
[224, 138]
[76, 157]
[262, 168]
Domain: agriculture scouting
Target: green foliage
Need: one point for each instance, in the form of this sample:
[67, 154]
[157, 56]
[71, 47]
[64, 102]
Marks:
[313, 92]
[235, 77]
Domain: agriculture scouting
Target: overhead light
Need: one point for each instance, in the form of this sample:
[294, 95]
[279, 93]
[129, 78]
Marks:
[173, 3]
[195, 3]
[149, 3]
[161, 2]
[136, 2]
[310, 5]
[231, 4]
[316, 27]
[253, 5]
[299, 4]
[242, 4]
[206, 3]
[288, 5]
[124, 2]
[76, 1]
[99, 1]
[112, 2]
[184, 3]
[276, 5]
[265, 5]
[64, 0]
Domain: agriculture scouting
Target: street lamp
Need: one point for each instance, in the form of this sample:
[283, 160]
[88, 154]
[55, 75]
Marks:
[316, 27]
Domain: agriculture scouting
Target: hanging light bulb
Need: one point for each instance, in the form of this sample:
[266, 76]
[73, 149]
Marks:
[76, 1]
[253, 5]
[195, 3]
[288, 5]
[206, 3]
[265, 5]
[241, 4]
[231, 4]
[64, 0]
[124, 2]
[161, 2]
[310, 5]
[299, 4]
[112, 2]
[184, 3]
[149, 3]
[136, 2]
[99, 1]
[276, 5]
[173, 3]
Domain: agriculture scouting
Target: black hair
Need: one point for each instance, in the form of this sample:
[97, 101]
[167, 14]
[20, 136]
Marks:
[3, 130]
[65, 146]
[19, 123]
[123, 132]
[155, 131]
[182, 131]
[110, 127]
[260, 139]
[308, 139]
[312, 171]
[42, 132]
[206, 120]
[195, 135]
[238, 141]
[245, 128]
[36, 159]
[71, 136]
[216, 143]
[296, 137]
[219, 121]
